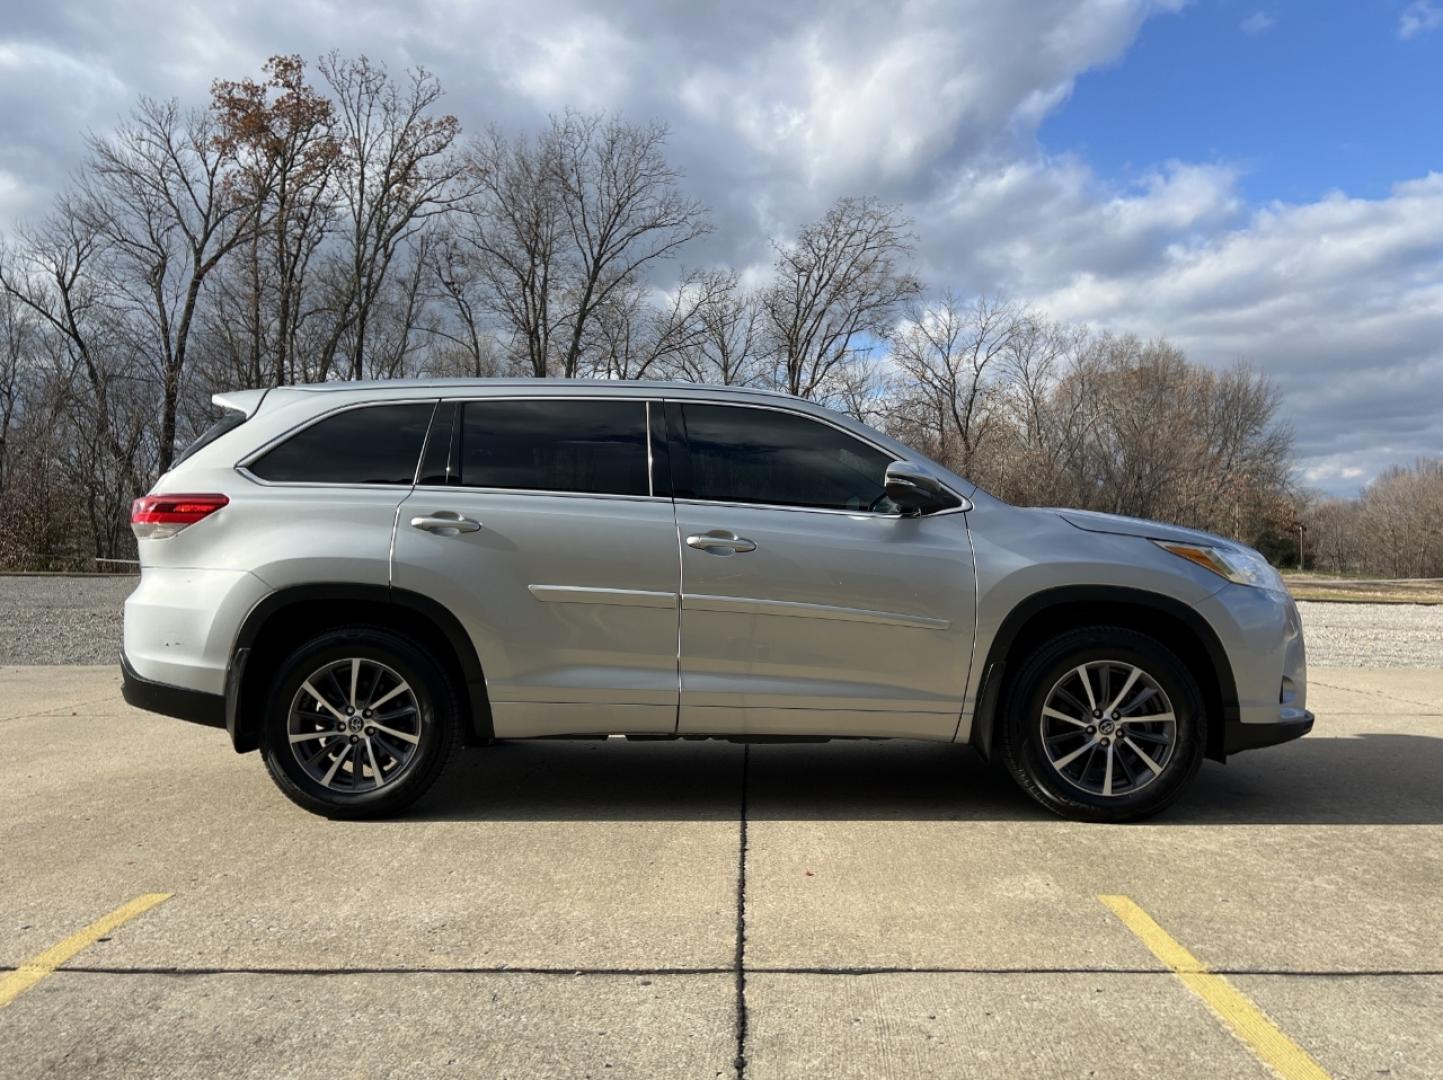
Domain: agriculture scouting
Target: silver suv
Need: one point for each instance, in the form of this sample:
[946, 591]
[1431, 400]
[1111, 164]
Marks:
[358, 578]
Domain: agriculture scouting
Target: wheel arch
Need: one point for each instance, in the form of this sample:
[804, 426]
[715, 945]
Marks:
[285, 618]
[1050, 612]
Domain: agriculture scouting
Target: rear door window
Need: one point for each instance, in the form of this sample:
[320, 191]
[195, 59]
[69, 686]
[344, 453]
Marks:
[579, 446]
[374, 444]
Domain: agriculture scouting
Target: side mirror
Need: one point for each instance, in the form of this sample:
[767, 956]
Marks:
[915, 490]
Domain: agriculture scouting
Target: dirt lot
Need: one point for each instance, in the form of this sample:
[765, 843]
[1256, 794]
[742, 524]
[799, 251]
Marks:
[613, 909]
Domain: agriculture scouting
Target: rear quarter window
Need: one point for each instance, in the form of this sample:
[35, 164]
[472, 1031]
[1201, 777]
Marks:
[229, 420]
[373, 444]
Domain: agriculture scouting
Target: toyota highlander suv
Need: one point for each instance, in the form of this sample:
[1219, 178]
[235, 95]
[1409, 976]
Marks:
[356, 579]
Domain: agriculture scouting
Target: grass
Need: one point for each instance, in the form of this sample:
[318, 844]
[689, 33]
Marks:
[1329, 587]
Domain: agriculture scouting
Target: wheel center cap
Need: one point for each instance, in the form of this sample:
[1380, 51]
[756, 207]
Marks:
[356, 723]
[1106, 727]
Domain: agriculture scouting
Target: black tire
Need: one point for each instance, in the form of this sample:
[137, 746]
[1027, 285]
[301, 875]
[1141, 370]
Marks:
[436, 726]
[1021, 736]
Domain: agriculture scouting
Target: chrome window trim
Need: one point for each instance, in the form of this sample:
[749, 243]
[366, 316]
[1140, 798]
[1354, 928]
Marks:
[426, 444]
[329, 485]
[650, 463]
[538, 493]
[964, 503]
[866, 514]
[244, 464]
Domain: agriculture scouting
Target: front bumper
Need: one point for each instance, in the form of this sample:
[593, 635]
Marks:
[181, 702]
[1238, 737]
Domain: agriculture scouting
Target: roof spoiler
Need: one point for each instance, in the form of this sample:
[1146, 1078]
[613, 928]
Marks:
[243, 401]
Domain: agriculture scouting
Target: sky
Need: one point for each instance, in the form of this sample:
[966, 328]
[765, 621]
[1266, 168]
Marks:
[1257, 182]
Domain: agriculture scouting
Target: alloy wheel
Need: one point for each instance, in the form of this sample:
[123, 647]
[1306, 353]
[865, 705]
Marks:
[354, 725]
[1108, 728]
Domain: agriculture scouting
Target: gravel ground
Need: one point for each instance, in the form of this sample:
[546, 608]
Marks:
[76, 620]
[1373, 635]
[62, 620]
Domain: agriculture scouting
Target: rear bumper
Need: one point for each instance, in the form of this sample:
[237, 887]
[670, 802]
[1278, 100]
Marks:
[1240, 737]
[183, 703]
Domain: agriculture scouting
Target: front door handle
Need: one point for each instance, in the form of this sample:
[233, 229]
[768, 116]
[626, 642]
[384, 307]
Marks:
[445, 522]
[721, 542]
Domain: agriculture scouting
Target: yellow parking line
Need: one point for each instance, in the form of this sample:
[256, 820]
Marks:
[1244, 1019]
[36, 968]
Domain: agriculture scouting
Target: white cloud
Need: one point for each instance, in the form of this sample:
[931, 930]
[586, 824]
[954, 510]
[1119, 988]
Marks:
[839, 98]
[1340, 301]
[1257, 23]
[547, 66]
[1419, 17]
[1331, 469]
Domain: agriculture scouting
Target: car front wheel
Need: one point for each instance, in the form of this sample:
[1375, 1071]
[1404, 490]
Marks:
[360, 723]
[1103, 724]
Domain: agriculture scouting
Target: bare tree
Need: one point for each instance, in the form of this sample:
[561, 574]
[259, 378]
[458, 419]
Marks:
[55, 273]
[837, 290]
[1403, 513]
[726, 348]
[396, 173]
[563, 229]
[1393, 528]
[18, 344]
[642, 333]
[1134, 428]
[1335, 534]
[953, 356]
[1047, 394]
[463, 330]
[158, 195]
[622, 207]
[403, 321]
[38, 510]
[281, 133]
[507, 252]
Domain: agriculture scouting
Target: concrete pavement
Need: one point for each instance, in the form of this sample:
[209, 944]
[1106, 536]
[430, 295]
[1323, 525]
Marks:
[576, 908]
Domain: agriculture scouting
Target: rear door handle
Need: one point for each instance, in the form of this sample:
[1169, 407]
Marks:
[445, 522]
[721, 542]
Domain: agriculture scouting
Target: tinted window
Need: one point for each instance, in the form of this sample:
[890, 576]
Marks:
[762, 456]
[583, 446]
[229, 421]
[378, 444]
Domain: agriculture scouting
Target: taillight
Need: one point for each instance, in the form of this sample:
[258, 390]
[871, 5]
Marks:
[154, 517]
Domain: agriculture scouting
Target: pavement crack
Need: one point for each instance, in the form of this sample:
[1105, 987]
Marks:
[741, 956]
[1377, 693]
[64, 711]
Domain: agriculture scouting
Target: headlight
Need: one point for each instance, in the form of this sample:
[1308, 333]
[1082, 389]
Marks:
[1242, 565]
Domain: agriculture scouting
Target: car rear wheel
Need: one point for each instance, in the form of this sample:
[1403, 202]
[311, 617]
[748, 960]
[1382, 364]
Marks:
[360, 724]
[1103, 724]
